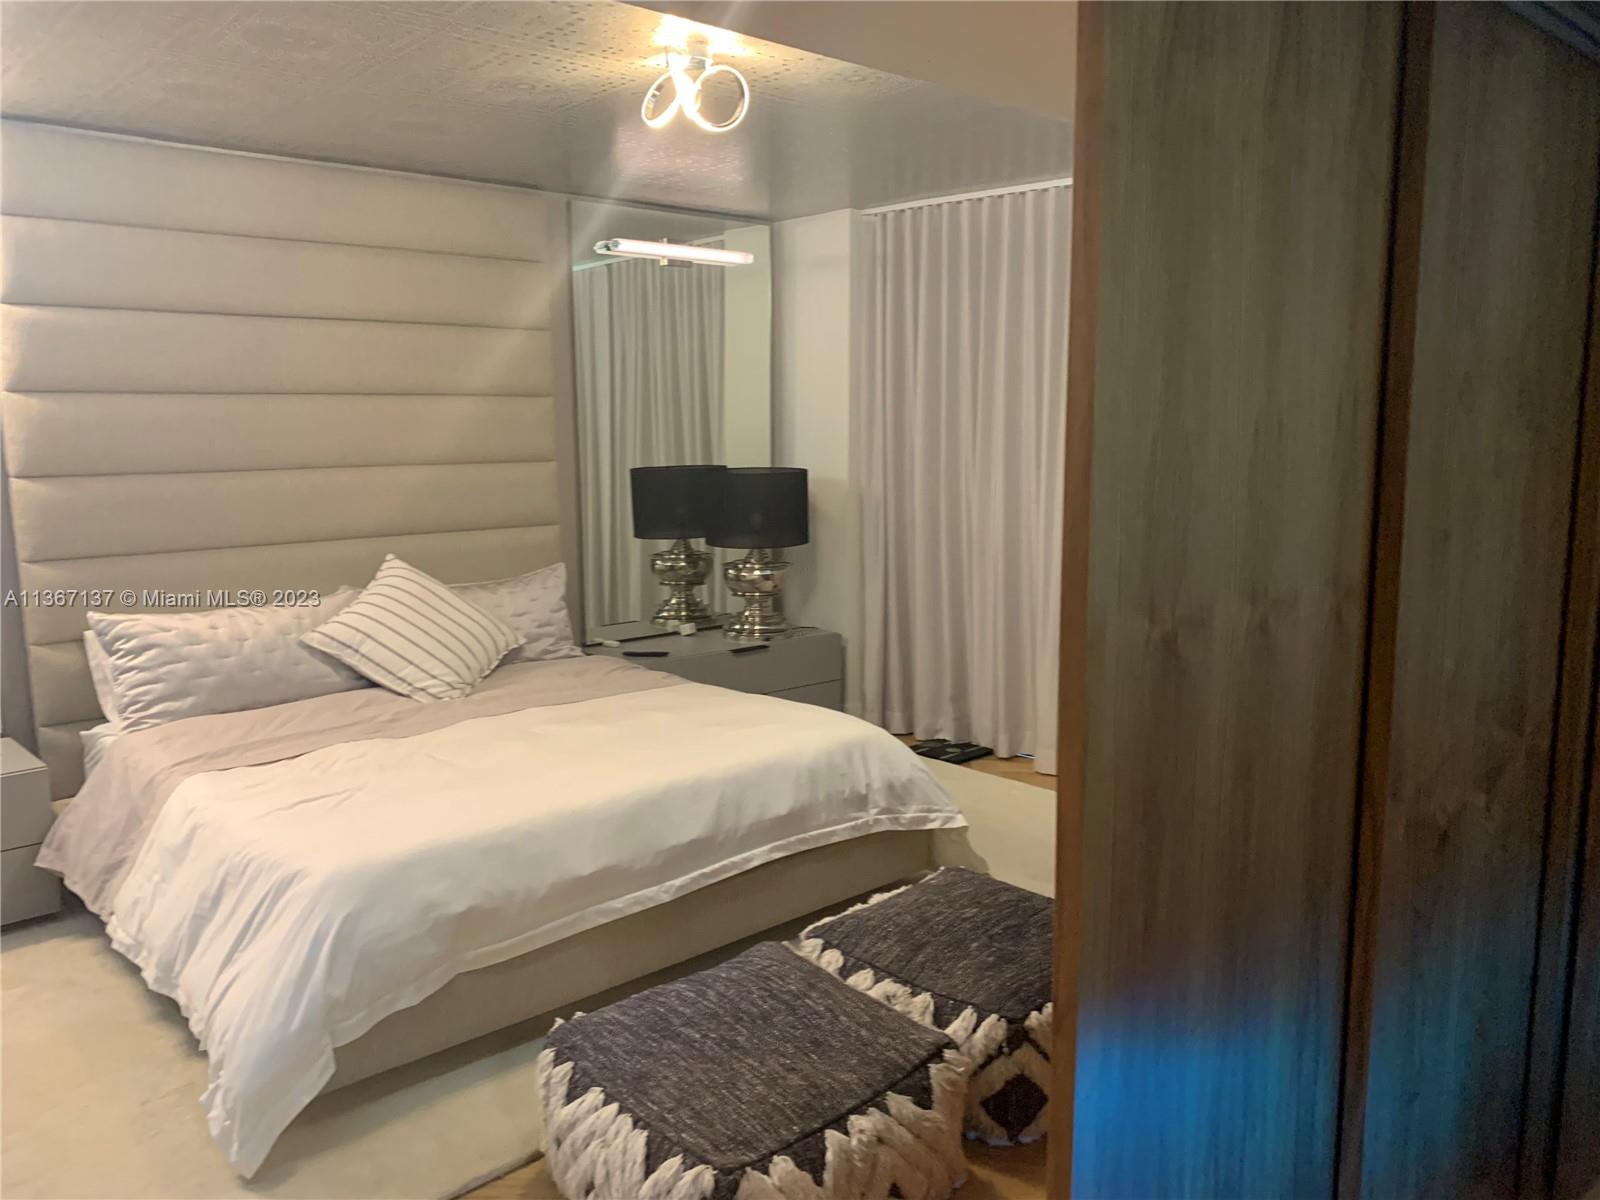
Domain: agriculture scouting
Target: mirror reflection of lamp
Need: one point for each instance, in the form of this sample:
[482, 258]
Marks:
[763, 510]
[675, 504]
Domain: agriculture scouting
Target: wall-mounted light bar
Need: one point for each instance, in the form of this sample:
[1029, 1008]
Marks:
[674, 252]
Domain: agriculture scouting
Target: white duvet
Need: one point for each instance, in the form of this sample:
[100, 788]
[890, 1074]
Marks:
[289, 907]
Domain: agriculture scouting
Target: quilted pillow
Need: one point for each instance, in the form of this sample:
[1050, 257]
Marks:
[168, 666]
[414, 635]
[535, 605]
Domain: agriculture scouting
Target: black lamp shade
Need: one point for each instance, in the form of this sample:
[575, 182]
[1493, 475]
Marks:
[675, 502]
[763, 508]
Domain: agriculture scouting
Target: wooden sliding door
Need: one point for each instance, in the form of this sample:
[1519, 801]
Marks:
[1561, 1144]
[1241, 162]
[1502, 313]
[1330, 857]
[1575, 1162]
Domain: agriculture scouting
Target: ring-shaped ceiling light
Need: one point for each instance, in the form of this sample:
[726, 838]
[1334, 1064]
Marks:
[686, 93]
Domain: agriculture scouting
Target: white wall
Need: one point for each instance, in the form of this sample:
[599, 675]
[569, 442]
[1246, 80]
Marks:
[811, 372]
[747, 352]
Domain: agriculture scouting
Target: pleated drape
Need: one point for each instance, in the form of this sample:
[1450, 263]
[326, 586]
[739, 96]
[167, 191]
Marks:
[958, 442]
[649, 348]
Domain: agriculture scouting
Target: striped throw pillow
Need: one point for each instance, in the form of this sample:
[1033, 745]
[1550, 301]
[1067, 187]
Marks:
[413, 635]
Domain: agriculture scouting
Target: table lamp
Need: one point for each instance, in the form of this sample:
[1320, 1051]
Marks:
[675, 504]
[763, 509]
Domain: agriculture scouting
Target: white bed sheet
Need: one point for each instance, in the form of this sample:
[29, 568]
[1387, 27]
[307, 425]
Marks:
[289, 907]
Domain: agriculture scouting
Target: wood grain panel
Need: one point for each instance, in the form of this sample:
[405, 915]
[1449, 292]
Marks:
[1555, 1159]
[1072, 683]
[1239, 311]
[1383, 593]
[1578, 1146]
[1507, 239]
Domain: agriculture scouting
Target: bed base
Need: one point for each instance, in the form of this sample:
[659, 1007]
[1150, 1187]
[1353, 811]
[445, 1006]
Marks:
[550, 982]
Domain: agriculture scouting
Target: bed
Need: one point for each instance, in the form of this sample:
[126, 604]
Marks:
[294, 875]
[206, 422]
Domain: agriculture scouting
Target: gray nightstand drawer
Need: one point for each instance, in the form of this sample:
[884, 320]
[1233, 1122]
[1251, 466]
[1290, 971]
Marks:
[25, 812]
[803, 659]
[826, 695]
[783, 664]
[25, 890]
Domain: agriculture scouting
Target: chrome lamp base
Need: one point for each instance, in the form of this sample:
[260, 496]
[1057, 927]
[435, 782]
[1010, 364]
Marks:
[757, 579]
[681, 569]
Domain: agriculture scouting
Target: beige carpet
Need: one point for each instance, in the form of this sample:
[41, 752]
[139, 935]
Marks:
[100, 1080]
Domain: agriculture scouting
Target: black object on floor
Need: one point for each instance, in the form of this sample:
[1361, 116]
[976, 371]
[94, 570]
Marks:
[952, 752]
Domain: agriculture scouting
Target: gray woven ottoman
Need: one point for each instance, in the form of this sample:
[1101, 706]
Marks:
[759, 1079]
[969, 955]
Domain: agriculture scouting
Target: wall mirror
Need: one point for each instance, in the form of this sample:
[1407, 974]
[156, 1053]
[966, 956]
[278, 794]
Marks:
[673, 366]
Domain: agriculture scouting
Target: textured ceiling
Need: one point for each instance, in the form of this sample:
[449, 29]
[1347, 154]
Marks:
[544, 94]
[1016, 52]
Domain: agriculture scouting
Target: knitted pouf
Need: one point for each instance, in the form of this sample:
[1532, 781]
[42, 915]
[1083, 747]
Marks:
[969, 955]
[759, 1079]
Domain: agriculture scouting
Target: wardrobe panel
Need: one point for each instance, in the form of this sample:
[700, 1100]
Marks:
[1561, 1131]
[1577, 1165]
[1243, 213]
[1507, 242]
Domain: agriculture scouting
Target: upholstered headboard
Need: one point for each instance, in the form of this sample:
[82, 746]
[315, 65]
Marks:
[225, 371]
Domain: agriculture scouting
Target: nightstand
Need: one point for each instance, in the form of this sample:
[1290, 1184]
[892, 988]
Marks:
[25, 816]
[803, 664]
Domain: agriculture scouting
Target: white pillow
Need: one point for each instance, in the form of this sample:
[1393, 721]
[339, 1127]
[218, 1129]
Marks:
[105, 691]
[168, 666]
[96, 742]
[535, 605]
[413, 635]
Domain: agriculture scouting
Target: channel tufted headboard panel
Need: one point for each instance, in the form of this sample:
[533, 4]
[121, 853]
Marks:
[224, 371]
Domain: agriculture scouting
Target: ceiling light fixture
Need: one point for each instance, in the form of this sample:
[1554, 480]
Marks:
[665, 252]
[686, 76]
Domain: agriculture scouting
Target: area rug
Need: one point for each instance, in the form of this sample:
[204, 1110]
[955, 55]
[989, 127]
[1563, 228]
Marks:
[100, 1083]
[1012, 828]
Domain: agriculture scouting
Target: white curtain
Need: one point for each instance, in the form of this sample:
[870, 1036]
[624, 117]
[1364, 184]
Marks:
[958, 442]
[649, 342]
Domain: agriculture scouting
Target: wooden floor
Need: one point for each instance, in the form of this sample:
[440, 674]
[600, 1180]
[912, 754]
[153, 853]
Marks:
[1019, 769]
[1015, 1173]
[1011, 1173]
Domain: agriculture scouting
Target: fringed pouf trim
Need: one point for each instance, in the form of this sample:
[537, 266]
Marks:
[891, 1146]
